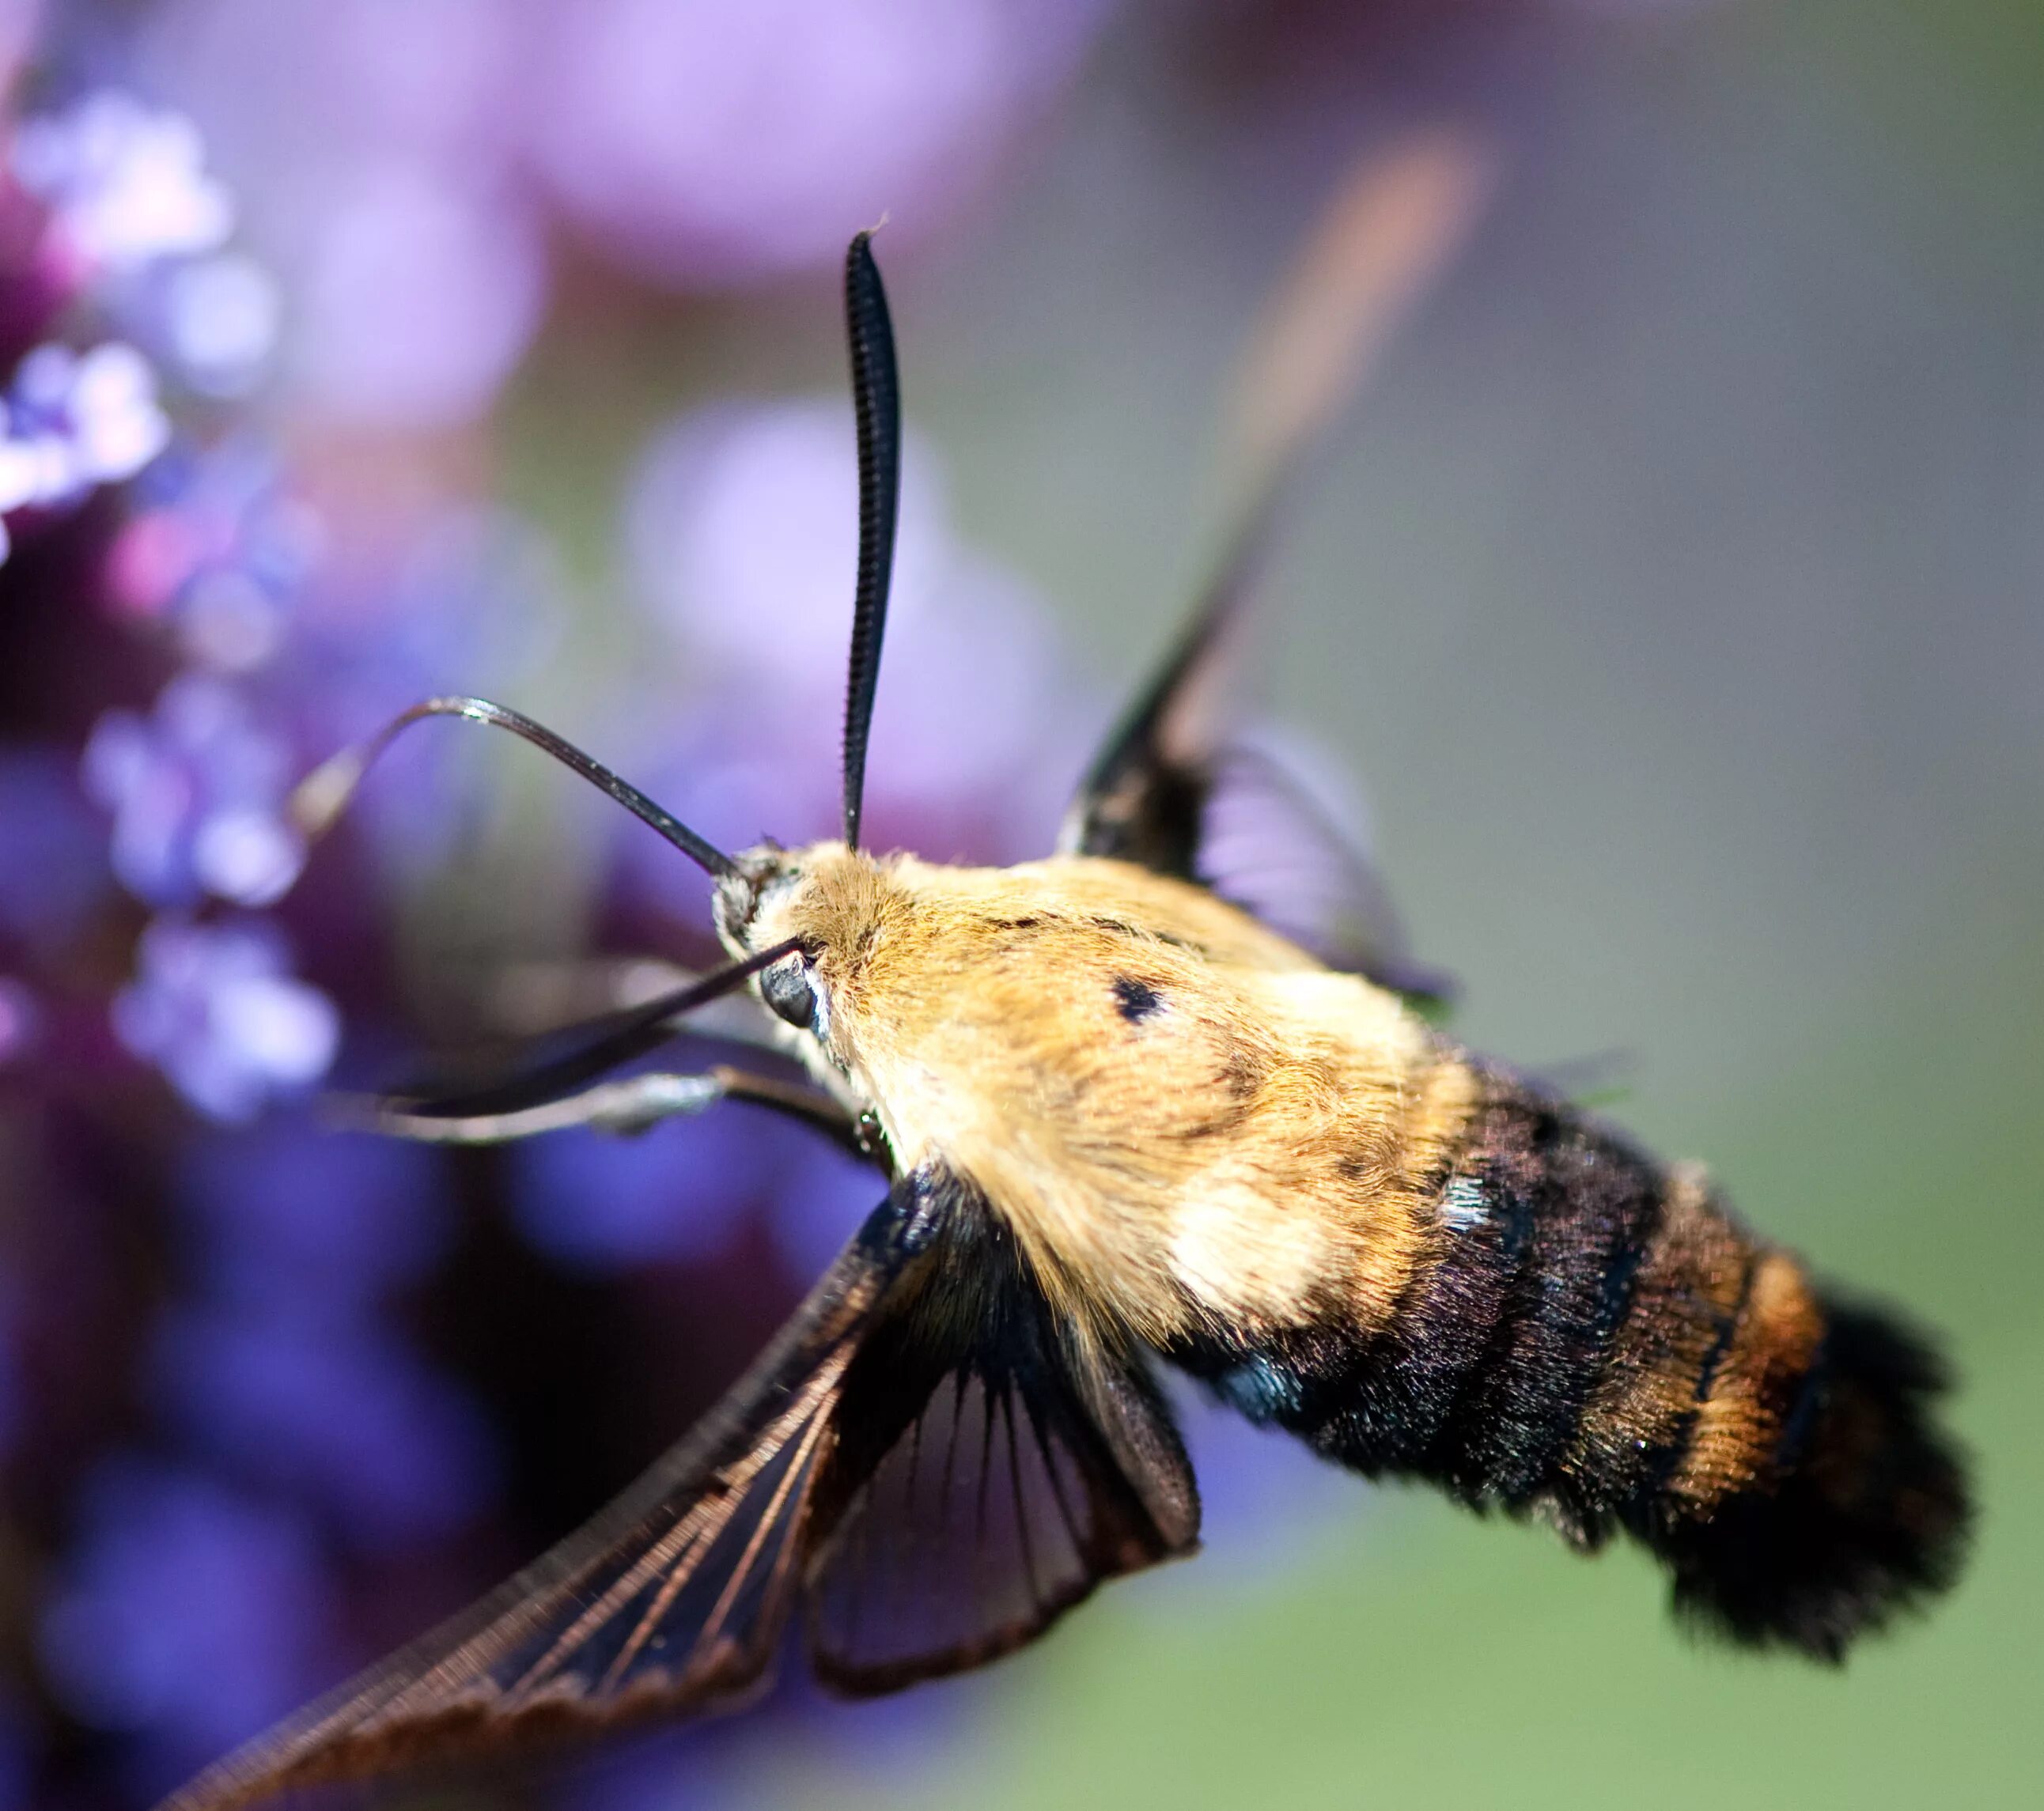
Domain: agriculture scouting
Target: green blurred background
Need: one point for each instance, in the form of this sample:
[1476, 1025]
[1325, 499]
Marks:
[1675, 594]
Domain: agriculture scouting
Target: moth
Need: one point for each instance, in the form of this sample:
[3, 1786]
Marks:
[1123, 1123]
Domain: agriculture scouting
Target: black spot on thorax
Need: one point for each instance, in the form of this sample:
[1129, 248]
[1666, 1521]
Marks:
[1136, 1000]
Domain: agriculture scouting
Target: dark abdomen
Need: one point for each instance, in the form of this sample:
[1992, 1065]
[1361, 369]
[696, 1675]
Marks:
[1594, 1339]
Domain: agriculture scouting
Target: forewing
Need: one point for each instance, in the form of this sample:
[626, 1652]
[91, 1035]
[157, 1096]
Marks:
[991, 1473]
[1274, 848]
[671, 1600]
[1154, 791]
[1170, 792]
[1144, 796]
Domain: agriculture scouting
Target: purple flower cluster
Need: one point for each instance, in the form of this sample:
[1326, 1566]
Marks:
[201, 1446]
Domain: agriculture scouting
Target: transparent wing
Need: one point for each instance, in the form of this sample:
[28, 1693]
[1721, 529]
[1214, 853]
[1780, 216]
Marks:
[813, 1475]
[1171, 793]
[990, 1476]
[672, 1600]
[1168, 770]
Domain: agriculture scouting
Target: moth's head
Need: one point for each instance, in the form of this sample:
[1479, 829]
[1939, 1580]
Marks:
[828, 900]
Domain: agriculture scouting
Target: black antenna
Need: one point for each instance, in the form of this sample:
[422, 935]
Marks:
[876, 393]
[322, 795]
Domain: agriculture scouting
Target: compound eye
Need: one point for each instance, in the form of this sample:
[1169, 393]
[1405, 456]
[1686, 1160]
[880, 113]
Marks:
[785, 988]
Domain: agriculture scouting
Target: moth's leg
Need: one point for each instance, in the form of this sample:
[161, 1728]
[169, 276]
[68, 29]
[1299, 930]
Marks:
[628, 1105]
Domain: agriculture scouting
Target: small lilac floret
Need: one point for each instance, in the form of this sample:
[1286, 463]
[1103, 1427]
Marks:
[743, 516]
[125, 182]
[75, 421]
[197, 789]
[216, 1008]
[222, 315]
[422, 293]
[220, 544]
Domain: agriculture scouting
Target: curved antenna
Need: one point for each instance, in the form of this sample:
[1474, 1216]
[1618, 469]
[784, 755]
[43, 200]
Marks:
[322, 795]
[876, 392]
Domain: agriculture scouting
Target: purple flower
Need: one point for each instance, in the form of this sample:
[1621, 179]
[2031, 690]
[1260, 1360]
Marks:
[187, 1611]
[421, 297]
[75, 421]
[125, 183]
[334, 1410]
[286, 1211]
[1261, 1489]
[678, 1191]
[197, 790]
[20, 1018]
[53, 854]
[373, 147]
[216, 1008]
[468, 600]
[744, 516]
[18, 20]
[821, 1200]
[220, 544]
[704, 143]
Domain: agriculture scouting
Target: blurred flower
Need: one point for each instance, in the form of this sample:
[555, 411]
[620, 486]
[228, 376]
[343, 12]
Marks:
[197, 790]
[467, 596]
[681, 1191]
[220, 544]
[221, 316]
[74, 421]
[289, 1210]
[18, 20]
[20, 1019]
[337, 1411]
[421, 297]
[189, 1611]
[603, 1202]
[702, 144]
[390, 173]
[216, 1009]
[744, 515]
[53, 865]
[823, 1195]
[1261, 1490]
[375, 154]
[124, 182]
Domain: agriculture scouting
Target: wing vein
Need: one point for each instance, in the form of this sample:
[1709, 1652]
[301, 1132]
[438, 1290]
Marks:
[705, 1641]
